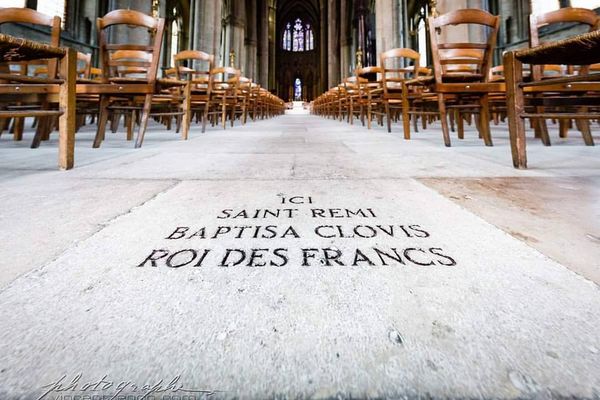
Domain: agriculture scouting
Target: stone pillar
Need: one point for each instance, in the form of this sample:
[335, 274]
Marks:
[238, 33]
[125, 34]
[234, 25]
[263, 44]
[192, 26]
[250, 64]
[272, 44]
[458, 34]
[403, 23]
[138, 5]
[207, 30]
[476, 33]
[323, 43]
[387, 28]
[333, 55]
[345, 40]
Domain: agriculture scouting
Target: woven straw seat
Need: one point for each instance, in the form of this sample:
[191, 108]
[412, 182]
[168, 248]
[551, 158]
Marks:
[580, 50]
[18, 49]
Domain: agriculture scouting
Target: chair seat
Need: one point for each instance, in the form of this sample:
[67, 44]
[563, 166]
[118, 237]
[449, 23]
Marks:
[171, 82]
[461, 78]
[29, 79]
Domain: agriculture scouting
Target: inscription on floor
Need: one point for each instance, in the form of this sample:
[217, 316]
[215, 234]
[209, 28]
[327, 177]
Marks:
[276, 225]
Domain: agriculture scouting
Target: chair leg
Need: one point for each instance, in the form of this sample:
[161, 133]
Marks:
[484, 120]
[586, 132]
[186, 118]
[460, 125]
[102, 120]
[563, 128]
[405, 112]
[514, 96]
[130, 120]
[114, 123]
[444, 119]
[205, 116]
[67, 103]
[18, 129]
[387, 114]
[224, 114]
[144, 121]
[541, 127]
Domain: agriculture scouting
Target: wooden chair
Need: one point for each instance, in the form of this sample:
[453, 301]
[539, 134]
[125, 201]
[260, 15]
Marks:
[254, 105]
[569, 93]
[194, 66]
[398, 65]
[536, 24]
[223, 95]
[129, 75]
[42, 97]
[371, 93]
[461, 70]
[354, 105]
[244, 98]
[25, 69]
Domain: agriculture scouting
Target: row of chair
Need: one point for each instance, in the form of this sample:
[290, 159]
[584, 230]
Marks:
[127, 87]
[462, 86]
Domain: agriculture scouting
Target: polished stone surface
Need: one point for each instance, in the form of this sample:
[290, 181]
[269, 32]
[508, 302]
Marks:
[406, 269]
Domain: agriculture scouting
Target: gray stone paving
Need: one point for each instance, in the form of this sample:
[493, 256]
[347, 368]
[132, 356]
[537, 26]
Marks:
[297, 257]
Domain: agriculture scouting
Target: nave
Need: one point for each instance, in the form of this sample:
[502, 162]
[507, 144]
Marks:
[350, 317]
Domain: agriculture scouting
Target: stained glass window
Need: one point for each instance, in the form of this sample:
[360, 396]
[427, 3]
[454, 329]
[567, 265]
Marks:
[287, 38]
[299, 37]
[297, 89]
[310, 40]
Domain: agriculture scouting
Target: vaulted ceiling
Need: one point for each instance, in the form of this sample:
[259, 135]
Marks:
[290, 9]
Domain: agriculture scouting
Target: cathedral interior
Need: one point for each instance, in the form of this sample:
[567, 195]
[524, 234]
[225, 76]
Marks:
[296, 49]
[299, 199]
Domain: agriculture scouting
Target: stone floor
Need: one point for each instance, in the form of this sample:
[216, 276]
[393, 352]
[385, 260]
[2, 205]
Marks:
[300, 257]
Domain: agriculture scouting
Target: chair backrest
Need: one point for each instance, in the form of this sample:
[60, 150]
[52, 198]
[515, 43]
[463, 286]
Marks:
[29, 16]
[397, 66]
[130, 63]
[126, 59]
[195, 66]
[496, 73]
[84, 65]
[582, 16]
[225, 79]
[467, 61]
[373, 70]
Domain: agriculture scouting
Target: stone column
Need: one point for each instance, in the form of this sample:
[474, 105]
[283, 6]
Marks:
[476, 33]
[323, 46]
[272, 44]
[333, 55]
[233, 32]
[138, 5]
[192, 28]
[124, 34]
[263, 44]
[207, 30]
[250, 64]
[458, 34]
[387, 28]
[237, 33]
[345, 42]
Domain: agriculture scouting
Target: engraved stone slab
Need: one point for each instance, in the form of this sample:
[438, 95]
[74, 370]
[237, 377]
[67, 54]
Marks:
[308, 288]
